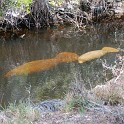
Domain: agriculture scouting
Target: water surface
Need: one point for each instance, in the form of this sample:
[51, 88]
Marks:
[46, 44]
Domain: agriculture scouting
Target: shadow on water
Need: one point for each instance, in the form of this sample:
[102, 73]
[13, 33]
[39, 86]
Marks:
[46, 44]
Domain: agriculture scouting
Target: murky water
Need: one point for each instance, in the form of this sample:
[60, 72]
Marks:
[46, 44]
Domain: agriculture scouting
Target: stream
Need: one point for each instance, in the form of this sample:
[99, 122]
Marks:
[46, 44]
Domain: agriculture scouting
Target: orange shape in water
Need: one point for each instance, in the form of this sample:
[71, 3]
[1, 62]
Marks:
[34, 66]
[42, 65]
[91, 55]
[110, 49]
[96, 54]
[66, 57]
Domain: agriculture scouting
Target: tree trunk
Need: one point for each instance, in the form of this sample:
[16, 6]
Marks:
[40, 13]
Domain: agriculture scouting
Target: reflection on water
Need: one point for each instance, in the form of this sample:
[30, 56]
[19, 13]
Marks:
[46, 44]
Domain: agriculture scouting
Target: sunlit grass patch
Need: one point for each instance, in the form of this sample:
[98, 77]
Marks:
[25, 3]
[76, 98]
[75, 104]
[17, 6]
[21, 113]
[61, 2]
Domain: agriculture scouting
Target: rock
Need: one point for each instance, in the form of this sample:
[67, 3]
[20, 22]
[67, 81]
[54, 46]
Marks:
[50, 105]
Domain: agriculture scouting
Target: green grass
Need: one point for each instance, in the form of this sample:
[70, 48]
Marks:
[18, 4]
[76, 104]
[60, 2]
[21, 113]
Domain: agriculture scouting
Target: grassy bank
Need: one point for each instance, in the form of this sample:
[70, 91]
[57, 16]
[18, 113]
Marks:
[21, 113]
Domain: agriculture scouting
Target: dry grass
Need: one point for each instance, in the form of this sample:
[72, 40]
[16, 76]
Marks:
[113, 90]
[21, 113]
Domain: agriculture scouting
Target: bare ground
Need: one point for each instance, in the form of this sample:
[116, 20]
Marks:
[105, 115]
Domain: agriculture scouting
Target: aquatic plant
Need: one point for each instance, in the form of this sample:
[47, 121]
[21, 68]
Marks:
[52, 88]
[96, 54]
